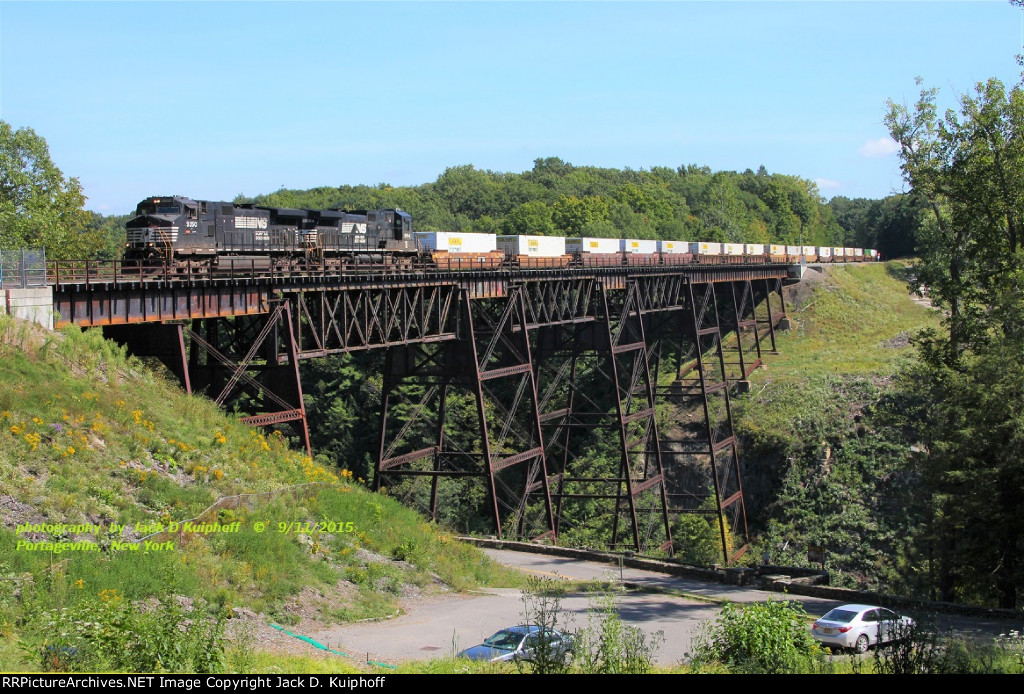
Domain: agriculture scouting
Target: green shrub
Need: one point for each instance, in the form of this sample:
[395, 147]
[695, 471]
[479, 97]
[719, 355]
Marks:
[696, 540]
[764, 637]
[1012, 646]
[606, 645]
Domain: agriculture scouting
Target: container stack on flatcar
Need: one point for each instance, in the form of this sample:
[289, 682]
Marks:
[590, 252]
[450, 250]
[706, 252]
[199, 235]
[534, 251]
[675, 252]
[639, 251]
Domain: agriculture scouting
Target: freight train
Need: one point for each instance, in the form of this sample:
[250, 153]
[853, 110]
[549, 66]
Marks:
[189, 235]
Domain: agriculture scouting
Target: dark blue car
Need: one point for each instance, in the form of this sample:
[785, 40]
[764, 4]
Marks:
[520, 643]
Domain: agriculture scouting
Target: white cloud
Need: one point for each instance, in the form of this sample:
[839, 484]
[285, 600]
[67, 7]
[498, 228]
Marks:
[827, 184]
[882, 147]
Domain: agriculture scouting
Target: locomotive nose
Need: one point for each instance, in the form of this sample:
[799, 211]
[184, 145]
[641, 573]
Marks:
[150, 229]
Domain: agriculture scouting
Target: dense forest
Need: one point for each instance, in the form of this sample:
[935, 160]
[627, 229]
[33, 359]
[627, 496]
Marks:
[687, 203]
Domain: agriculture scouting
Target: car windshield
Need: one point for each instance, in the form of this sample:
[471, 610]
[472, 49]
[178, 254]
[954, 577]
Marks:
[504, 640]
[838, 615]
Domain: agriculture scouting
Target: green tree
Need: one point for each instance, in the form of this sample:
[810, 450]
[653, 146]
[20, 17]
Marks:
[469, 191]
[532, 217]
[968, 166]
[721, 211]
[38, 205]
[109, 229]
[889, 225]
[572, 214]
[696, 541]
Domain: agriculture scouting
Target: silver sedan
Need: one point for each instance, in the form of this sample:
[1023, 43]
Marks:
[860, 626]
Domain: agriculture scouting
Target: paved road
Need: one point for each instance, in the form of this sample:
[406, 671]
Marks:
[452, 623]
[446, 624]
[975, 627]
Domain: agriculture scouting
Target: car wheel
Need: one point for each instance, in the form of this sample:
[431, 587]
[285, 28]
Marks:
[862, 644]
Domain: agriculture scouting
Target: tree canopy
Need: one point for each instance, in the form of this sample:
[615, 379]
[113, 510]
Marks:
[558, 198]
[38, 205]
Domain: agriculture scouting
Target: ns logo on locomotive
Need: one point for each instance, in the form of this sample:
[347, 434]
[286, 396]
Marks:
[184, 233]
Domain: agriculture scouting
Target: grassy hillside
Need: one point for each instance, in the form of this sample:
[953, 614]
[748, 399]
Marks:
[853, 326]
[94, 439]
[822, 467]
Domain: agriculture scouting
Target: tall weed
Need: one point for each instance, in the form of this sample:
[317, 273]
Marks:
[111, 633]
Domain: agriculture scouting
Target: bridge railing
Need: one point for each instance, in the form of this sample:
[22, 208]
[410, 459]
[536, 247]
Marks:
[106, 271]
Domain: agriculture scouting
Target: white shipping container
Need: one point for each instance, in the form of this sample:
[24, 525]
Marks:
[778, 249]
[732, 248]
[456, 242]
[838, 252]
[753, 249]
[587, 244]
[859, 252]
[673, 246]
[705, 248]
[540, 246]
[810, 250]
[638, 246]
[848, 251]
[792, 250]
[824, 251]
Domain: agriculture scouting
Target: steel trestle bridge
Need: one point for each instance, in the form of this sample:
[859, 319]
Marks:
[546, 356]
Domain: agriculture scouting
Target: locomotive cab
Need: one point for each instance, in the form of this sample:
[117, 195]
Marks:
[161, 226]
[392, 228]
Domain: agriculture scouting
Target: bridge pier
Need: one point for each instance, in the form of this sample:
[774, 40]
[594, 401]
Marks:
[769, 319]
[708, 442]
[225, 357]
[492, 363]
[594, 376]
[641, 467]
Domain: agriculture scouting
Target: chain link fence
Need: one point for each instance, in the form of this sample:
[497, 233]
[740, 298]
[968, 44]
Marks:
[22, 269]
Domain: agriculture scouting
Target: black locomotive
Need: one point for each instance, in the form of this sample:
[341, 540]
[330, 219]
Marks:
[186, 233]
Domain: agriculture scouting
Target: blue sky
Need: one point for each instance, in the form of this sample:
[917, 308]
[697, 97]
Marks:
[211, 100]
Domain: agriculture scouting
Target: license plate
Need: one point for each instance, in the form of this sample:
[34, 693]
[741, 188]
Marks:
[828, 630]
